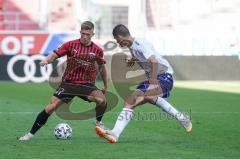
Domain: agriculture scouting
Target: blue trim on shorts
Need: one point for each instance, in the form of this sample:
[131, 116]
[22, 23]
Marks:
[166, 82]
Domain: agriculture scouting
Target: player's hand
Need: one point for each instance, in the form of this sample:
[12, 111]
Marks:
[43, 63]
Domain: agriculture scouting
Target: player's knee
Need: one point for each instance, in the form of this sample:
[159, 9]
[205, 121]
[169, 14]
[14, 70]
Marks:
[149, 99]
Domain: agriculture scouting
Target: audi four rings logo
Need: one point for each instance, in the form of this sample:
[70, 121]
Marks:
[29, 69]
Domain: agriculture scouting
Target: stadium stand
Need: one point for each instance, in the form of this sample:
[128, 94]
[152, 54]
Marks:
[1, 15]
[22, 15]
[19, 16]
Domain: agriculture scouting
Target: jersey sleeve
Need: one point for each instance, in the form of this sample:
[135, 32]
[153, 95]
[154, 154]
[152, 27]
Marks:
[100, 58]
[62, 50]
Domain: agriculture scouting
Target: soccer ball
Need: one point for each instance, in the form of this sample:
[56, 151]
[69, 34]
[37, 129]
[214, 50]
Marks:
[63, 131]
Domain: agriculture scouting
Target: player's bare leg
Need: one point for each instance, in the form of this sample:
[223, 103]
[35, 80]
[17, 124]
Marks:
[42, 118]
[101, 105]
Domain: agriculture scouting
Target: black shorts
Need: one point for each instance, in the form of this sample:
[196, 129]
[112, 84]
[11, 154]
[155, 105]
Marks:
[67, 91]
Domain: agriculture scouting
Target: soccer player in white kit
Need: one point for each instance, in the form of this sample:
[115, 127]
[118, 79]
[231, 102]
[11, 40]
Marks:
[155, 90]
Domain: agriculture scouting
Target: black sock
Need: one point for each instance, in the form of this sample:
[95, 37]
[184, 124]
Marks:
[40, 121]
[99, 118]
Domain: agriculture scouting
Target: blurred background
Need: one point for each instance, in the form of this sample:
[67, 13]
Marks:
[199, 37]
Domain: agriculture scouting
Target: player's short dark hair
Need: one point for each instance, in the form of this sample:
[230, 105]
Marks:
[120, 29]
[87, 25]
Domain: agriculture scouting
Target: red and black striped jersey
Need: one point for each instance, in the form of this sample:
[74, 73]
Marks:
[81, 61]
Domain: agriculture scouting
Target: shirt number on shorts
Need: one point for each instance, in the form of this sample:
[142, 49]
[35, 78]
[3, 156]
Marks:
[59, 91]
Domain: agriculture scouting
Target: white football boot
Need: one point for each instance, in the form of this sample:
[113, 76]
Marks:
[187, 124]
[26, 137]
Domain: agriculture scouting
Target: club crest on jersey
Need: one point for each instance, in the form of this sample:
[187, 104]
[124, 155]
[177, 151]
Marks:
[92, 55]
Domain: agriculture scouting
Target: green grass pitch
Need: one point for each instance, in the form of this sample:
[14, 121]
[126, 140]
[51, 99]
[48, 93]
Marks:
[215, 117]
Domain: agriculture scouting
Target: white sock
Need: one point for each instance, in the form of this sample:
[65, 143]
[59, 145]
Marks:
[30, 134]
[123, 119]
[167, 107]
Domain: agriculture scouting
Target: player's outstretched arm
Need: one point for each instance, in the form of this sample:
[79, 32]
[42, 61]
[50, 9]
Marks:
[49, 59]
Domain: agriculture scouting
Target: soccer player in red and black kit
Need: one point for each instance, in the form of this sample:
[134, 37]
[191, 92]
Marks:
[80, 74]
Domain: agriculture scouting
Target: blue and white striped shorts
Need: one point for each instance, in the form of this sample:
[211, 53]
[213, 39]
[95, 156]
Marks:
[166, 82]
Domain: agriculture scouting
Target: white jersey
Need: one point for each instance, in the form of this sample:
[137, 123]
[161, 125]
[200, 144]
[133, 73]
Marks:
[141, 50]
